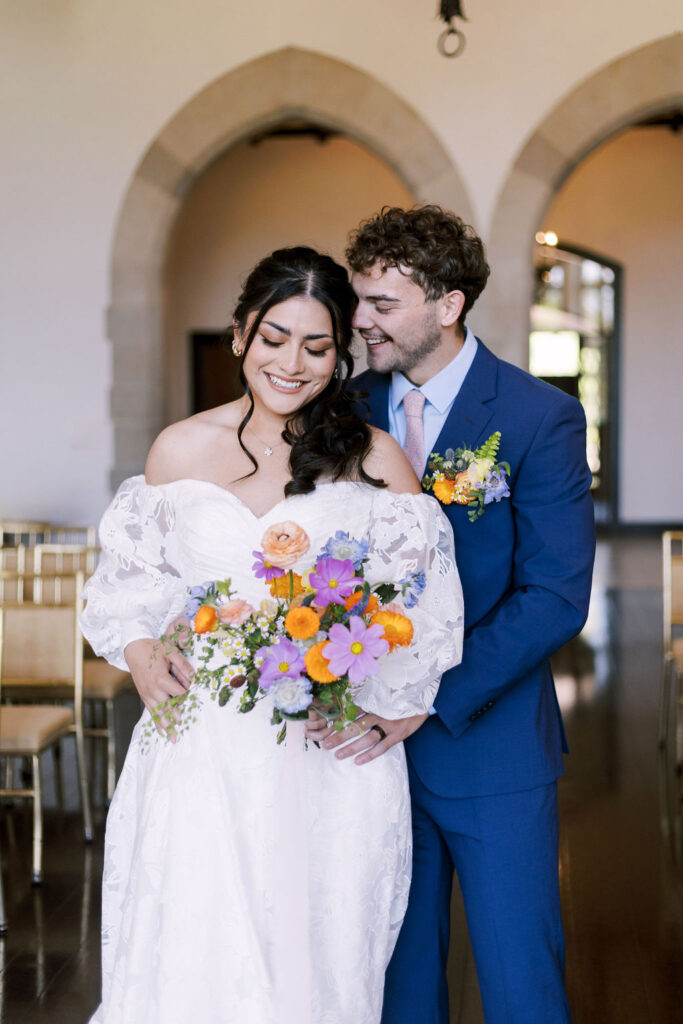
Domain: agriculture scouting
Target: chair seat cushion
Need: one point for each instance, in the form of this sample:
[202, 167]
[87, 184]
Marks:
[101, 681]
[31, 729]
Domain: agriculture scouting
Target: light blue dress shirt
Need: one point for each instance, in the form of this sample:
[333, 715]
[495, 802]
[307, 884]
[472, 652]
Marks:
[440, 392]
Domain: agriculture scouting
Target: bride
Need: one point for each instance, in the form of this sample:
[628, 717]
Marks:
[246, 882]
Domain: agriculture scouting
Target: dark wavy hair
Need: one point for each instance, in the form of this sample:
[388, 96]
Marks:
[327, 435]
[443, 253]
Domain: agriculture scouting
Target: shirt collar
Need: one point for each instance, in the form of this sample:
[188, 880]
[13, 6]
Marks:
[438, 390]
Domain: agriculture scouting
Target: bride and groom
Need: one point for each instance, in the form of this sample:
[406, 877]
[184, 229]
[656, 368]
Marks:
[199, 922]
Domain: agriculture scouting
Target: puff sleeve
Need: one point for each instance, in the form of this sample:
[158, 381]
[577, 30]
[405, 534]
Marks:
[136, 590]
[409, 534]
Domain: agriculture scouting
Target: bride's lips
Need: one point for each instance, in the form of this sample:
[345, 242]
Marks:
[285, 385]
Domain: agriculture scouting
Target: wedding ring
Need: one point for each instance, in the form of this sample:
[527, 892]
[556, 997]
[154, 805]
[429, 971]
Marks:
[378, 729]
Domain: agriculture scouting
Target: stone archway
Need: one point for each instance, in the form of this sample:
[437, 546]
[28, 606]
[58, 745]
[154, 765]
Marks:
[641, 83]
[284, 84]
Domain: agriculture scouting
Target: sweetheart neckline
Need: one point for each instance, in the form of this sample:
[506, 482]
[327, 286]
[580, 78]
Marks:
[243, 504]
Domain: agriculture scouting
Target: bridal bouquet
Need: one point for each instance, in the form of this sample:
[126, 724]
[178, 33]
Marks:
[316, 636]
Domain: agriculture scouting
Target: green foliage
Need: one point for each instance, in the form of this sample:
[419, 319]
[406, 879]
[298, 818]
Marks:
[489, 449]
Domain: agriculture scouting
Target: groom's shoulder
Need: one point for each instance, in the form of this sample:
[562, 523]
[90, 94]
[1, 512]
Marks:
[523, 388]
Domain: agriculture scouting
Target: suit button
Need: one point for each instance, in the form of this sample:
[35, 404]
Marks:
[490, 705]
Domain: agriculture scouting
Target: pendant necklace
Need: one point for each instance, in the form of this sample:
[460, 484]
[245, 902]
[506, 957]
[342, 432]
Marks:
[268, 449]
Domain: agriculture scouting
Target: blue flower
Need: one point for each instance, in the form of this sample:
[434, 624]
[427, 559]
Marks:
[292, 695]
[412, 586]
[195, 598]
[495, 486]
[342, 546]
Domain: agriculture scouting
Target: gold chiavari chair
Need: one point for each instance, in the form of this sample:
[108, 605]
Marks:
[672, 566]
[102, 682]
[41, 657]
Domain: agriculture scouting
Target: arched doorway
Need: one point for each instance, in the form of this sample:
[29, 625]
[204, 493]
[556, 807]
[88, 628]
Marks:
[613, 284]
[288, 84]
[638, 89]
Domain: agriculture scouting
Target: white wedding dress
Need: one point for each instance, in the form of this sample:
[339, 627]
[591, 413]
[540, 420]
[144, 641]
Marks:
[246, 882]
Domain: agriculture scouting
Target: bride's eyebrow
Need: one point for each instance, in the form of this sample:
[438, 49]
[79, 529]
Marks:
[307, 337]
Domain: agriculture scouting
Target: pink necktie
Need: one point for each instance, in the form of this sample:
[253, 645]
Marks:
[414, 445]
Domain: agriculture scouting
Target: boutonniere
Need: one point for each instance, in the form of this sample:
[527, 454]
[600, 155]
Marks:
[469, 477]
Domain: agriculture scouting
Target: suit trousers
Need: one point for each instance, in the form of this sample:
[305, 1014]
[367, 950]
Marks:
[505, 850]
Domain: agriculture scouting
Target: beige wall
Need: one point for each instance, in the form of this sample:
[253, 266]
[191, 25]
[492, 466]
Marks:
[86, 86]
[625, 202]
[285, 191]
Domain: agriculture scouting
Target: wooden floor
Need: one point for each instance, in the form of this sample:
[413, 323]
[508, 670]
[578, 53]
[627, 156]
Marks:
[621, 873]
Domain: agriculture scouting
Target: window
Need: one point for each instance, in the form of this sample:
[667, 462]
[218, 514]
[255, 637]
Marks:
[573, 344]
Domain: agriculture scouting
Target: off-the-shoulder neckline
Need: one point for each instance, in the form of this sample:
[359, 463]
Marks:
[286, 499]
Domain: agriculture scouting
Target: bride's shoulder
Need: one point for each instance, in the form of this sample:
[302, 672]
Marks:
[183, 447]
[387, 461]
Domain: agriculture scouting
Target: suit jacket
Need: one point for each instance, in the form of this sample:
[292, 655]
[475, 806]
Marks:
[526, 568]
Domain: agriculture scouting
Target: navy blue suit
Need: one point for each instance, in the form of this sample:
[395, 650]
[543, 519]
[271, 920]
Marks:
[484, 768]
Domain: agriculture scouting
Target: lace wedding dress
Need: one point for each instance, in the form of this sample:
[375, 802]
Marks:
[246, 882]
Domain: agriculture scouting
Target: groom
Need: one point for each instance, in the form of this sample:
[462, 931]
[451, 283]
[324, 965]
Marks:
[484, 765]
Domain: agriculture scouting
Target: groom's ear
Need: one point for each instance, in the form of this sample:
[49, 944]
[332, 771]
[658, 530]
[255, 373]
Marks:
[451, 306]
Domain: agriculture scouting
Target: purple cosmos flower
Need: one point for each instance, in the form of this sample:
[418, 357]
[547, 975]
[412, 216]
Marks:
[264, 570]
[292, 695]
[279, 660]
[195, 599]
[412, 586]
[495, 486]
[333, 580]
[355, 650]
[342, 546]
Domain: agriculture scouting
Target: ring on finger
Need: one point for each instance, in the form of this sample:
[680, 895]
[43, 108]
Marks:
[379, 730]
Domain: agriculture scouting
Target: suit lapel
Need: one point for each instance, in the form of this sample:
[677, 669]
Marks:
[470, 415]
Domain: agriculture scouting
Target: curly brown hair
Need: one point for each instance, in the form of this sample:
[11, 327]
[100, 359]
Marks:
[443, 253]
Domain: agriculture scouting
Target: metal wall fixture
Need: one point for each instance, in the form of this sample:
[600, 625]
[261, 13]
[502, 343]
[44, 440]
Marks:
[451, 42]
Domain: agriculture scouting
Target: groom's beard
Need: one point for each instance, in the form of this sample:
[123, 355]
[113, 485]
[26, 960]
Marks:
[399, 355]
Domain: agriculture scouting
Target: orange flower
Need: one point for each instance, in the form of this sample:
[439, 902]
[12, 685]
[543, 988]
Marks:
[444, 490]
[398, 629]
[205, 619]
[279, 587]
[317, 664]
[353, 599]
[283, 544]
[302, 623]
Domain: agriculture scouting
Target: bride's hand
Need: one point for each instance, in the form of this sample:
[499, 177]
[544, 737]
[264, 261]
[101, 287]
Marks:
[375, 735]
[160, 671]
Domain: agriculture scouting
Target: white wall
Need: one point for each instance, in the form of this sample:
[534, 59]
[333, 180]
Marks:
[85, 86]
[285, 191]
[625, 202]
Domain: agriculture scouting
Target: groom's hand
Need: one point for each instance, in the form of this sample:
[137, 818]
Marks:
[375, 735]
